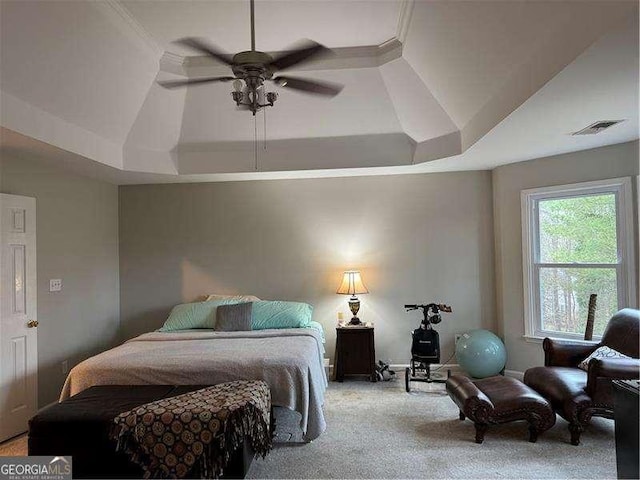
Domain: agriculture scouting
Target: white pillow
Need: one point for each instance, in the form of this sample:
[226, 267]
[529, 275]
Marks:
[602, 352]
[239, 298]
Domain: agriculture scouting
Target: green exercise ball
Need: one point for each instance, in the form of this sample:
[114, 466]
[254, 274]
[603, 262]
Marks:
[481, 353]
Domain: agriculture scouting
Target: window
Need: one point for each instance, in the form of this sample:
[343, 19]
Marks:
[577, 240]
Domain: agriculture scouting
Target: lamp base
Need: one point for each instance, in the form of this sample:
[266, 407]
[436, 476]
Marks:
[354, 306]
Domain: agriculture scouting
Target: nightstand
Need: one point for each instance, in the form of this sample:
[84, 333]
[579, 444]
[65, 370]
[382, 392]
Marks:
[355, 353]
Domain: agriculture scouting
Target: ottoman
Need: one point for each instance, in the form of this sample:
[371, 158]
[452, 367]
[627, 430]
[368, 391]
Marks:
[499, 399]
[80, 426]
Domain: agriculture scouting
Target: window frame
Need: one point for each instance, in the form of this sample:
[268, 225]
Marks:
[621, 188]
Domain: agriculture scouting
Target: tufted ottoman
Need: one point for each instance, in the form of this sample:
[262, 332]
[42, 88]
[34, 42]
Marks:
[497, 400]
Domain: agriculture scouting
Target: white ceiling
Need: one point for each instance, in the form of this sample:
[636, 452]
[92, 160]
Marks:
[465, 51]
[44, 57]
[601, 84]
[431, 86]
[334, 23]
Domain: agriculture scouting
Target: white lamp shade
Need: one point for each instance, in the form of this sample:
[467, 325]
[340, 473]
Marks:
[352, 284]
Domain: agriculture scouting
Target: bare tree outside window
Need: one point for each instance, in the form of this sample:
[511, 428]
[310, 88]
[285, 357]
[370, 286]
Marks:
[577, 230]
[577, 240]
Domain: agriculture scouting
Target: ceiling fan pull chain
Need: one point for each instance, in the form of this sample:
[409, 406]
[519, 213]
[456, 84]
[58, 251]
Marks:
[264, 145]
[255, 142]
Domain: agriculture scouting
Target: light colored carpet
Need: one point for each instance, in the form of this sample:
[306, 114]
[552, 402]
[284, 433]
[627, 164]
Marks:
[377, 430]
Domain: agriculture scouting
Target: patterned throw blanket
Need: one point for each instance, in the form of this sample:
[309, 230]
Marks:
[196, 433]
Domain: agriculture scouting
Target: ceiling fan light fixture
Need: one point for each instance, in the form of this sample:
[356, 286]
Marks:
[272, 97]
[252, 68]
[237, 85]
[237, 97]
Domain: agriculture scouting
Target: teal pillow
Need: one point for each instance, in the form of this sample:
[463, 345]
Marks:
[279, 314]
[188, 316]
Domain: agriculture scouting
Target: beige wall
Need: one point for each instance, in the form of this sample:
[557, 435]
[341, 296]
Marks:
[601, 163]
[77, 241]
[416, 239]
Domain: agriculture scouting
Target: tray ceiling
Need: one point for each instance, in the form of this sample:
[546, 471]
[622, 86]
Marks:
[423, 81]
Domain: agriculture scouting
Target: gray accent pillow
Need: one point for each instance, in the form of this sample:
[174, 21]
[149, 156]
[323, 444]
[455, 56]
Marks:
[234, 318]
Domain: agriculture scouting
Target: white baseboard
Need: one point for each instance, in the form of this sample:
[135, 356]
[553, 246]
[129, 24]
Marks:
[514, 374]
[454, 367]
[399, 368]
[436, 367]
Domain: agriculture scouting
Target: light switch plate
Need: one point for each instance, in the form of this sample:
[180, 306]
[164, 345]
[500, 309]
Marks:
[55, 284]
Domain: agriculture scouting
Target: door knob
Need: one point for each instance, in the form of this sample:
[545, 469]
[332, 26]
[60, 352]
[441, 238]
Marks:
[32, 323]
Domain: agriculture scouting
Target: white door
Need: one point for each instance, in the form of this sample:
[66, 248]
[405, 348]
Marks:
[18, 318]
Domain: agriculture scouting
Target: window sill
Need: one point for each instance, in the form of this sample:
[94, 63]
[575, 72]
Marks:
[532, 339]
[536, 339]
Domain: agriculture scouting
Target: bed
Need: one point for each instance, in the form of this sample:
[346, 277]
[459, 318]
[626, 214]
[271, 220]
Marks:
[289, 360]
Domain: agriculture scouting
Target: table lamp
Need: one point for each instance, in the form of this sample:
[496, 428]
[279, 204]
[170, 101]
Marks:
[352, 285]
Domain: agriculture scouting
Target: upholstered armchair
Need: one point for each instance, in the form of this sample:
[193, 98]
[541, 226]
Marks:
[577, 395]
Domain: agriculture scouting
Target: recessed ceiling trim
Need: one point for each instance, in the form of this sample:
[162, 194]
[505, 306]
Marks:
[404, 19]
[27, 120]
[389, 50]
[172, 63]
[345, 57]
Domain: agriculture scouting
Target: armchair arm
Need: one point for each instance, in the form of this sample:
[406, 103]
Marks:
[611, 368]
[616, 368]
[566, 353]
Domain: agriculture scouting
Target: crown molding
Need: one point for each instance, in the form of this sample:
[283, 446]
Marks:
[370, 56]
[129, 25]
[389, 50]
[191, 66]
[404, 19]
[173, 63]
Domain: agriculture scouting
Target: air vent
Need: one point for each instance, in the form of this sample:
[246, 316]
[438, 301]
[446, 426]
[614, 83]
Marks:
[597, 127]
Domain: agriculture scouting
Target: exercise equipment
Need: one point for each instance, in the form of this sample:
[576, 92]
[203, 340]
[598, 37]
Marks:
[481, 353]
[425, 345]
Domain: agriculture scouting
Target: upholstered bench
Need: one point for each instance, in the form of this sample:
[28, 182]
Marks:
[80, 427]
[499, 399]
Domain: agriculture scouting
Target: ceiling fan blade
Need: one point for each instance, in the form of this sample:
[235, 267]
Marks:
[204, 46]
[193, 81]
[307, 50]
[310, 86]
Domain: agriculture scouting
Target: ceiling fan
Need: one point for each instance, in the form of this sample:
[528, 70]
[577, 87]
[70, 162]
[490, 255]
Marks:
[251, 69]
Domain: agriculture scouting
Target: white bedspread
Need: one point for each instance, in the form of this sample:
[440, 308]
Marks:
[289, 360]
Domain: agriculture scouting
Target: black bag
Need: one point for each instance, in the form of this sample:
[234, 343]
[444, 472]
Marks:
[426, 345]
